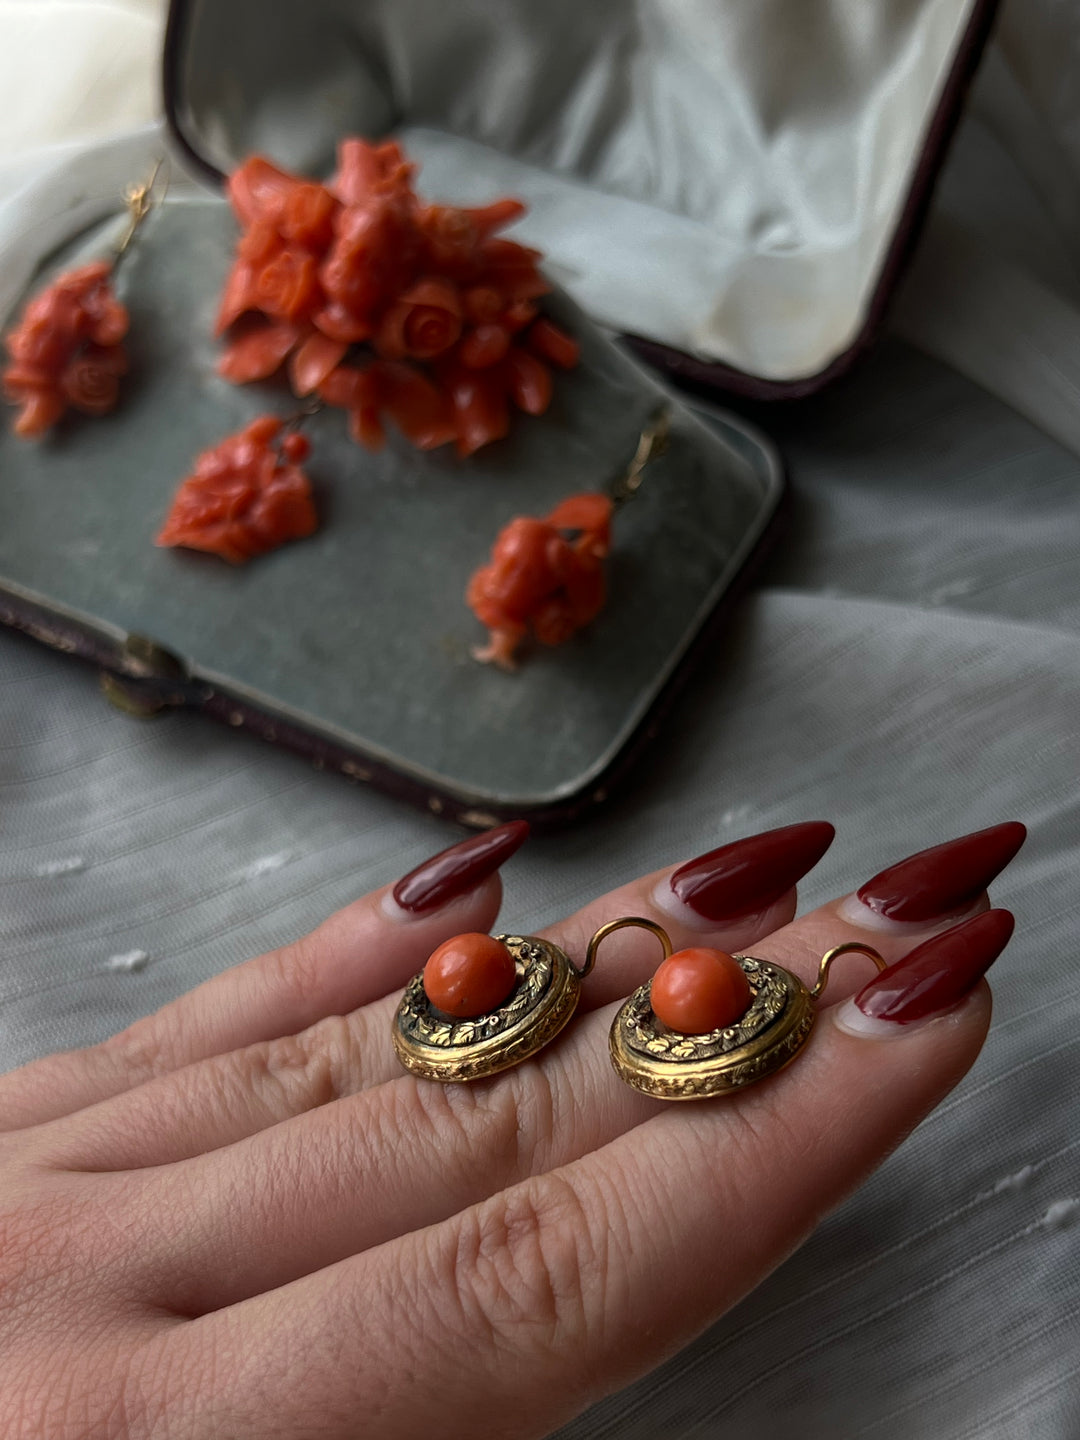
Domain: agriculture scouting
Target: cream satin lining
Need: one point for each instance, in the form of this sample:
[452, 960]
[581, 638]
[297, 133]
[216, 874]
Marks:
[75, 69]
[72, 69]
[721, 175]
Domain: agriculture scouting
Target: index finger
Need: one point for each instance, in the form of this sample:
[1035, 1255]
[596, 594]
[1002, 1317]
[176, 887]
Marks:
[354, 957]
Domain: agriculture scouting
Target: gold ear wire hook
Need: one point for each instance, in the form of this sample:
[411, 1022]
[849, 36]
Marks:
[609, 929]
[651, 444]
[137, 198]
[850, 947]
[311, 407]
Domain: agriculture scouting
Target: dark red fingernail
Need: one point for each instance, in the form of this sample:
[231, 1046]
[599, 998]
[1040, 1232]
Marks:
[461, 868]
[749, 874]
[939, 973]
[946, 878]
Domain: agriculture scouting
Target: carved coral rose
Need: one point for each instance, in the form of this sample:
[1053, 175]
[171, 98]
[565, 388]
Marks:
[425, 322]
[104, 319]
[91, 381]
[287, 286]
[52, 326]
[365, 170]
[39, 344]
[372, 258]
[307, 216]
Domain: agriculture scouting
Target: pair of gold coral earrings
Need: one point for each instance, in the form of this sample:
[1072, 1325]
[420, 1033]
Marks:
[484, 1003]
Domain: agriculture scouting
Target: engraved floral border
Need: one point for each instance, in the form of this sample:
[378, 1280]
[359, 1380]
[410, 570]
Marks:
[637, 1023]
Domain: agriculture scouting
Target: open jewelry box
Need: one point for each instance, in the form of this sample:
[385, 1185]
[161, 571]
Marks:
[733, 183]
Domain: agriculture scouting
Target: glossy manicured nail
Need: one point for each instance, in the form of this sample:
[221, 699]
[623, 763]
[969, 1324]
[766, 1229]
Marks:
[945, 879]
[455, 871]
[748, 875]
[936, 976]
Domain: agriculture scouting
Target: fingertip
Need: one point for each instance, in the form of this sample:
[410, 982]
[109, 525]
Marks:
[459, 869]
[741, 878]
[938, 974]
[946, 879]
[483, 900]
[749, 926]
[374, 945]
[971, 1015]
[854, 912]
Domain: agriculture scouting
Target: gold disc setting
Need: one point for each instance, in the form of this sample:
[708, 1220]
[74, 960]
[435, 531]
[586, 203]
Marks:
[438, 1047]
[672, 1066]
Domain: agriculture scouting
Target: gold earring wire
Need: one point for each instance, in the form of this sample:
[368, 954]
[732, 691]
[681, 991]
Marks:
[613, 925]
[139, 199]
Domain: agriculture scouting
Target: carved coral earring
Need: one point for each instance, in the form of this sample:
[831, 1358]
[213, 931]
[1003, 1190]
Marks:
[547, 575]
[245, 495]
[483, 1003]
[66, 351]
[709, 1023]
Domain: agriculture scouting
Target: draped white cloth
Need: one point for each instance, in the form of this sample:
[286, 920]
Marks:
[908, 666]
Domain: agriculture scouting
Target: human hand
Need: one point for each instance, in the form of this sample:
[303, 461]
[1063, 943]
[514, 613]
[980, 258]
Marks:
[240, 1218]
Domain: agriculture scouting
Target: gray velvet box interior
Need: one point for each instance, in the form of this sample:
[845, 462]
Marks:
[360, 634]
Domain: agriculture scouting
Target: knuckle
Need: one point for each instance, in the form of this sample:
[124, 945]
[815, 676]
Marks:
[527, 1271]
[134, 1055]
[506, 1126]
[321, 1064]
[293, 973]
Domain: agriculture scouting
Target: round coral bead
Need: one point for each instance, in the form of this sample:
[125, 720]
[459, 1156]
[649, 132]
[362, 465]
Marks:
[695, 991]
[469, 975]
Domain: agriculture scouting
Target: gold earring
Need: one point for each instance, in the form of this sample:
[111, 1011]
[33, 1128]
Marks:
[66, 351]
[765, 1031]
[483, 1003]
